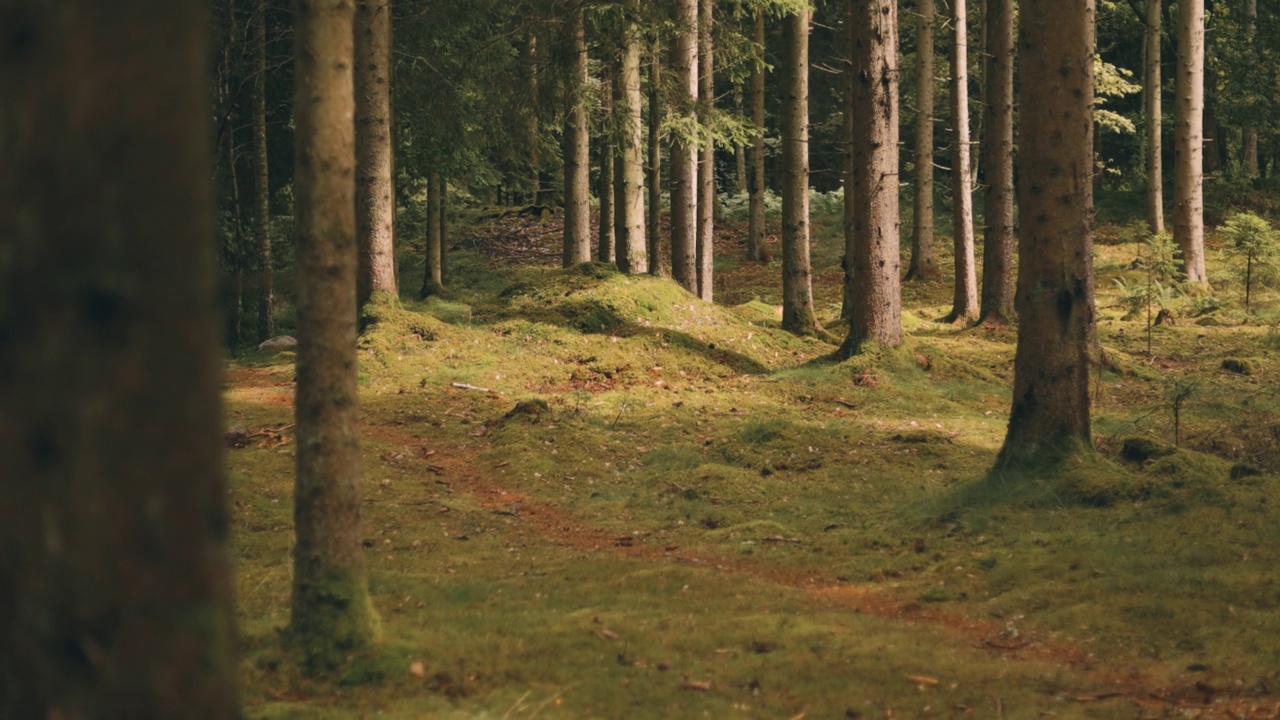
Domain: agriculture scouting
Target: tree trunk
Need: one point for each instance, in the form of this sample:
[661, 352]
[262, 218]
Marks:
[433, 271]
[924, 266]
[739, 149]
[442, 218]
[997, 251]
[877, 306]
[755, 174]
[1249, 135]
[1188, 149]
[848, 87]
[577, 151]
[659, 263]
[532, 130]
[262, 188]
[707, 161]
[1152, 99]
[684, 149]
[606, 237]
[332, 615]
[375, 191]
[632, 253]
[114, 573]
[1050, 413]
[237, 253]
[797, 273]
[965, 298]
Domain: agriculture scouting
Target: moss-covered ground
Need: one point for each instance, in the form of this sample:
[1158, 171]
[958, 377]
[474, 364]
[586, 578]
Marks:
[590, 495]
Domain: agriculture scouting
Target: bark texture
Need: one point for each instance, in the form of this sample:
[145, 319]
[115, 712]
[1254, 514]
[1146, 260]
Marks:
[707, 158]
[924, 265]
[997, 249]
[606, 237]
[632, 250]
[797, 271]
[684, 151]
[262, 186]
[849, 90]
[1050, 413]
[532, 128]
[877, 292]
[659, 261]
[375, 192]
[1188, 147]
[755, 172]
[1152, 99]
[1249, 134]
[964, 304]
[331, 613]
[114, 577]
[577, 150]
[433, 268]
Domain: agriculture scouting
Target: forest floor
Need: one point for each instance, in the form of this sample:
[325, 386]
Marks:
[588, 495]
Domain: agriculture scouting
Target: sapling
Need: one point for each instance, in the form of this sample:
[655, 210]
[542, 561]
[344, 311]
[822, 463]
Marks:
[1160, 262]
[1251, 239]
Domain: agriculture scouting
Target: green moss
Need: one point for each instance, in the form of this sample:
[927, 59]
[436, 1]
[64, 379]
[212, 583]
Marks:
[1238, 366]
[332, 621]
[702, 484]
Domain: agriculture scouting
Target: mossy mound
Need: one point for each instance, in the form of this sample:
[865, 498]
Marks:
[595, 298]
[388, 329]
[1142, 449]
[1239, 366]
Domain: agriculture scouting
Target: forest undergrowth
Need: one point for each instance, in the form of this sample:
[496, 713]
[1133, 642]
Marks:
[591, 495]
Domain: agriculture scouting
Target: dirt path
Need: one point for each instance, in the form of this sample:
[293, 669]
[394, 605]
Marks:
[462, 468]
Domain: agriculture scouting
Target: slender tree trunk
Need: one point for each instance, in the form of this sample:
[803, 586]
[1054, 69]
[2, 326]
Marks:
[707, 161]
[237, 253]
[1188, 149]
[606, 237]
[997, 251]
[684, 150]
[332, 615]
[848, 87]
[114, 573]
[924, 266]
[1249, 135]
[659, 263]
[433, 271]
[633, 256]
[262, 189]
[577, 151]
[1215, 155]
[739, 149]
[375, 191]
[443, 220]
[755, 173]
[965, 299]
[877, 306]
[532, 129]
[1152, 93]
[1050, 412]
[797, 272]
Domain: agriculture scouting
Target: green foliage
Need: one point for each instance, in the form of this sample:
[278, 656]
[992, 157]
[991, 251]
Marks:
[1252, 242]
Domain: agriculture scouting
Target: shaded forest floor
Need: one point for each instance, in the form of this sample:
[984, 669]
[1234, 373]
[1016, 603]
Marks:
[588, 495]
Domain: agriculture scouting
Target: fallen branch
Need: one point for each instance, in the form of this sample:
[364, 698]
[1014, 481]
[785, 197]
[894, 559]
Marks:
[466, 386]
